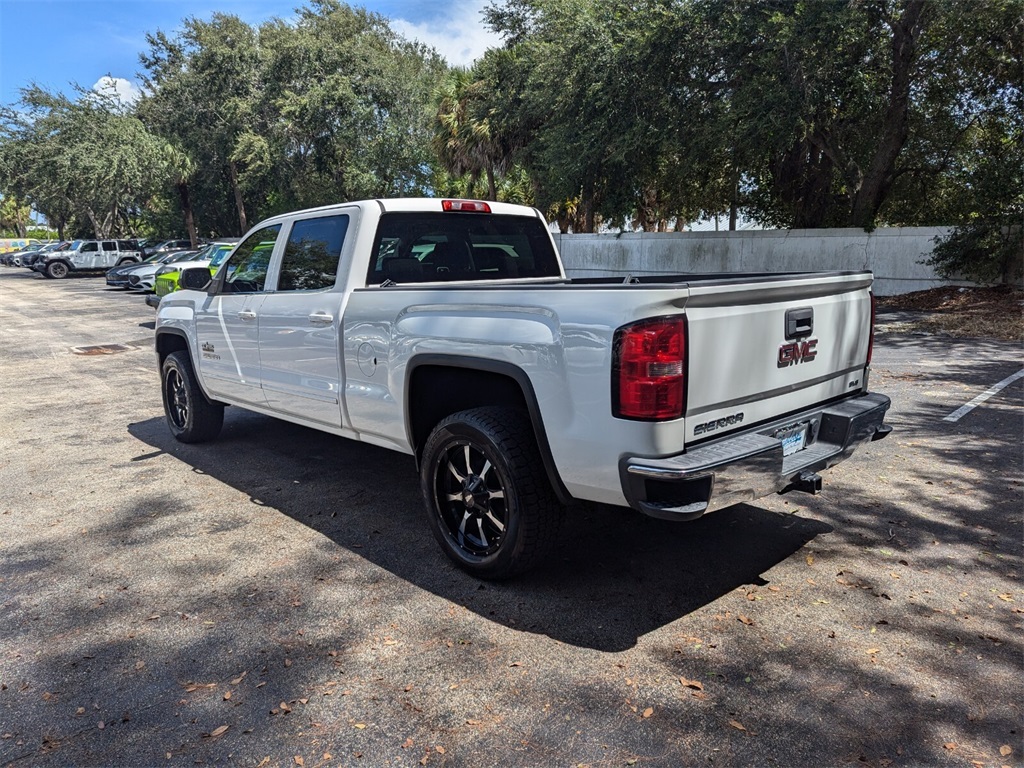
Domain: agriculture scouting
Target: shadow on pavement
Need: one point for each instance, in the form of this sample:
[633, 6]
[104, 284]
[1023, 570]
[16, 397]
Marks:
[628, 574]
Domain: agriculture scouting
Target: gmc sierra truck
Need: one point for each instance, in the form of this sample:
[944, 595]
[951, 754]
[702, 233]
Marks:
[448, 330]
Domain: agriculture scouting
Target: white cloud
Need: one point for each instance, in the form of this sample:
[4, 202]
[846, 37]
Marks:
[459, 36]
[123, 89]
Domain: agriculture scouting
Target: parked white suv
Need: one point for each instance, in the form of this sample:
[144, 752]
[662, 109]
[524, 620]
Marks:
[88, 256]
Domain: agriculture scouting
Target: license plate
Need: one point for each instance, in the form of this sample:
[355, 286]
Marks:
[793, 438]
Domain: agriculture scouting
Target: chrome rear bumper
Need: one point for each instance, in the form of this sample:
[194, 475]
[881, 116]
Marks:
[750, 465]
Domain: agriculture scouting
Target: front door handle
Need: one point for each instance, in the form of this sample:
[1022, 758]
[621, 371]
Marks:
[321, 318]
[246, 314]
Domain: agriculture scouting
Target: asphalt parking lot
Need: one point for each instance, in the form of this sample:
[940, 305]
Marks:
[275, 598]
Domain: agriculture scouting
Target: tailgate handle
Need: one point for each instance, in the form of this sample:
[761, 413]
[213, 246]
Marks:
[799, 322]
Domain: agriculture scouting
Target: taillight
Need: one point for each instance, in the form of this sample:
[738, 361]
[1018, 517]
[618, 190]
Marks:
[871, 335]
[648, 374]
[465, 206]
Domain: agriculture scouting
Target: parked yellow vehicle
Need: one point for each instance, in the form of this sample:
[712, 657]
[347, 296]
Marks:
[9, 244]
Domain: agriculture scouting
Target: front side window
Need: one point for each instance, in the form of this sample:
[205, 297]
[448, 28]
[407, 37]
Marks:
[90, 247]
[247, 267]
[312, 253]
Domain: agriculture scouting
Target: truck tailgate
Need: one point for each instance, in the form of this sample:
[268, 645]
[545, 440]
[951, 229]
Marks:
[760, 349]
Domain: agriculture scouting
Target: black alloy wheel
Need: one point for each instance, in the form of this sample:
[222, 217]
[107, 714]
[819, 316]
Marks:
[489, 502]
[190, 416]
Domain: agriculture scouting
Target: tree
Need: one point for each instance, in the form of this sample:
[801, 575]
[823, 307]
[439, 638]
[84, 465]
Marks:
[87, 156]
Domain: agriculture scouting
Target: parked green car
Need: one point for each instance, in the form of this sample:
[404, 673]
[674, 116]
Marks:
[213, 255]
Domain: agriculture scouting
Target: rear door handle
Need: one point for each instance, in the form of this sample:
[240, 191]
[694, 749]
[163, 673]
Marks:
[321, 318]
[246, 314]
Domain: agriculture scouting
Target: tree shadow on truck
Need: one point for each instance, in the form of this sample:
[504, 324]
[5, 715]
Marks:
[613, 577]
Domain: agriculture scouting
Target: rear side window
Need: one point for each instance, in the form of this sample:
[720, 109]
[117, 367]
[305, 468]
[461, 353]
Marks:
[109, 245]
[312, 253]
[428, 247]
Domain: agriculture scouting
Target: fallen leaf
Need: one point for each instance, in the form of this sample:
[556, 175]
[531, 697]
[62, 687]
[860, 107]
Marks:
[219, 731]
[140, 665]
[440, 749]
[950, 745]
[327, 756]
[745, 619]
[1006, 750]
[774, 588]
[360, 726]
[264, 761]
[80, 711]
[872, 651]
[298, 760]
[737, 725]
[303, 701]
[648, 712]
[407, 743]
[154, 617]
[515, 664]
[471, 721]
[283, 706]
[407, 688]
[227, 695]
[1007, 597]
[239, 679]
[810, 559]
[695, 684]
[426, 757]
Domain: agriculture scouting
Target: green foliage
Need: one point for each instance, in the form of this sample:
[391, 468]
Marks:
[87, 157]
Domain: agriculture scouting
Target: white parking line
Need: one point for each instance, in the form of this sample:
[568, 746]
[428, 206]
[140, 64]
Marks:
[963, 410]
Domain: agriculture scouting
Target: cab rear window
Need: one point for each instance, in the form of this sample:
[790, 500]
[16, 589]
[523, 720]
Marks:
[431, 247]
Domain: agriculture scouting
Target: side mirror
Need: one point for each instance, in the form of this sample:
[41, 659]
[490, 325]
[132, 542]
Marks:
[195, 279]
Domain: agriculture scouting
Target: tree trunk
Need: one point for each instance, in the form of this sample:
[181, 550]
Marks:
[895, 124]
[186, 209]
[239, 204]
[492, 189]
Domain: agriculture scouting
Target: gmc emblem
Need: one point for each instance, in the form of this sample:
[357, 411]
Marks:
[797, 352]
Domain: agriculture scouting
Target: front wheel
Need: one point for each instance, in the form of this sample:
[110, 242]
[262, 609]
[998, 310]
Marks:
[191, 417]
[488, 499]
[58, 270]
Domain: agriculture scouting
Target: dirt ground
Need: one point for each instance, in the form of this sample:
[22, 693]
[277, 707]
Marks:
[964, 313]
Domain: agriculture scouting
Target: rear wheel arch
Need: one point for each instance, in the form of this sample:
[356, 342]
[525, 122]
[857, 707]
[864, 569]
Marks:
[438, 386]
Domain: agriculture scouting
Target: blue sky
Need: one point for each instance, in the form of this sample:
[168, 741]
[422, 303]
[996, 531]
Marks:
[58, 42]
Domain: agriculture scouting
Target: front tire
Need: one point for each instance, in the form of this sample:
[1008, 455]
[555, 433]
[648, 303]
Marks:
[190, 416]
[489, 502]
[58, 270]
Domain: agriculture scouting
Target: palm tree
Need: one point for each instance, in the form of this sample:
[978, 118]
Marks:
[463, 137]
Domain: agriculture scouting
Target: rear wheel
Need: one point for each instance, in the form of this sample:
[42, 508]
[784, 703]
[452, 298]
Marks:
[58, 270]
[489, 502]
[191, 417]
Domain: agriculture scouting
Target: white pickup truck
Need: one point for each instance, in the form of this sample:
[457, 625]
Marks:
[447, 329]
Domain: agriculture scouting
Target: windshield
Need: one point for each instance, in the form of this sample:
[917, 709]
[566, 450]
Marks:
[222, 253]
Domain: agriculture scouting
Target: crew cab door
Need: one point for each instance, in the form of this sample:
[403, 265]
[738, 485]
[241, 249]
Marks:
[107, 257]
[227, 322]
[86, 256]
[298, 323]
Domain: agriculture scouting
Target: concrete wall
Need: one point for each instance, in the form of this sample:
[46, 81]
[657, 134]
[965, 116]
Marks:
[892, 254]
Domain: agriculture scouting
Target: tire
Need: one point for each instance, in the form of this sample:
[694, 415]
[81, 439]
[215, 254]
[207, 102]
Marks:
[488, 499]
[58, 270]
[190, 416]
